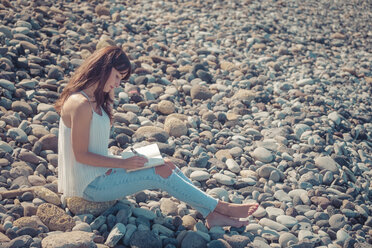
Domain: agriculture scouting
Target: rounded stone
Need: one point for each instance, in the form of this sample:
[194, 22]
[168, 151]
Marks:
[74, 239]
[200, 175]
[175, 127]
[337, 221]
[200, 92]
[189, 222]
[78, 205]
[168, 207]
[166, 107]
[193, 239]
[54, 217]
[287, 237]
[263, 155]
[286, 220]
[232, 165]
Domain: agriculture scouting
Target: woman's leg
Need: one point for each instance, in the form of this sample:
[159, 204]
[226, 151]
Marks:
[227, 213]
[173, 183]
[119, 184]
[177, 170]
[225, 208]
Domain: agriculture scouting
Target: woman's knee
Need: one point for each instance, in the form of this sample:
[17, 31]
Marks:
[164, 170]
[169, 163]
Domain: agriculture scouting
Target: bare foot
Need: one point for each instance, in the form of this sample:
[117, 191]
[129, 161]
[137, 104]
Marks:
[236, 210]
[217, 219]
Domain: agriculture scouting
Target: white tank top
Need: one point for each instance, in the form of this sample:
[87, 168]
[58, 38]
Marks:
[74, 177]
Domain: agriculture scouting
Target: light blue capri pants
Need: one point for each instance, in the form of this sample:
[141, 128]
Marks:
[120, 183]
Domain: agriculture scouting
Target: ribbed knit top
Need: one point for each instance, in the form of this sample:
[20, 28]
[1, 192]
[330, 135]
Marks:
[73, 177]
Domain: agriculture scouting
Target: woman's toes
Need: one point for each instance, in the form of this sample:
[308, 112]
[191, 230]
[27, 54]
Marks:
[253, 209]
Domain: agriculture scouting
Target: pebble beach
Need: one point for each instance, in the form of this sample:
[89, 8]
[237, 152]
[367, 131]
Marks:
[255, 101]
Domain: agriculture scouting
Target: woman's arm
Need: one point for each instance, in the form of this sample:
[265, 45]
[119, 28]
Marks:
[80, 112]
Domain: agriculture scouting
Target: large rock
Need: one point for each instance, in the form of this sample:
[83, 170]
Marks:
[168, 207]
[326, 163]
[117, 232]
[266, 170]
[237, 241]
[263, 155]
[54, 217]
[5, 147]
[189, 222]
[232, 165]
[200, 175]
[17, 134]
[39, 131]
[20, 241]
[224, 179]
[337, 221]
[23, 107]
[321, 201]
[244, 95]
[227, 66]
[74, 239]
[78, 205]
[47, 195]
[33, 222]
[193, 240]
[219, 243]
[175, 127]
[166, 107]
[102, 10]
[145, 239]
[28, 45]
[287, 237]
[29, 157]
[49, 142]
[150, 132]
[3, 238]
[181, 117]
[145, 213]
[6, 84]
[219, 193]
[272, 224]
[200, 92]
[221, 154]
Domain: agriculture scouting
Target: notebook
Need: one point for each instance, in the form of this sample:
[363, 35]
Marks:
[151, 152]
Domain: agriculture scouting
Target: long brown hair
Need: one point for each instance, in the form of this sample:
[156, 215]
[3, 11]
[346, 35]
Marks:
[97, 68]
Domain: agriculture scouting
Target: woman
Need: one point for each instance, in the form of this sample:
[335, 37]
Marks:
[87, 170]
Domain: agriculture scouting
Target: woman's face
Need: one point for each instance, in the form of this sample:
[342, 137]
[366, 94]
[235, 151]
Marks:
[114, 79]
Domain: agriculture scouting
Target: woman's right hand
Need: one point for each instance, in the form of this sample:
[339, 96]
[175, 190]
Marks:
[134, 162]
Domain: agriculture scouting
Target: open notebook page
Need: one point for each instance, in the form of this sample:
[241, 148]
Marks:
[151, 152]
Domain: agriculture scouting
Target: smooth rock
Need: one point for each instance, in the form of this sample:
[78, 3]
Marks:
[74, 239]
[141, 212]
[117, 232]
[263, 155]
[337, 221]
[287, 237]
[145, 239]
[326, 163]
[47, 195]
[193, 239]
[200, 175]
[78, 205]
[54, 217]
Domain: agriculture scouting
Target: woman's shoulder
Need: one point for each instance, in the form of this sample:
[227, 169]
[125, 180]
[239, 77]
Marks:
[76, 102]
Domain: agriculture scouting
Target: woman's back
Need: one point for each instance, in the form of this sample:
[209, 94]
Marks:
[73, 176]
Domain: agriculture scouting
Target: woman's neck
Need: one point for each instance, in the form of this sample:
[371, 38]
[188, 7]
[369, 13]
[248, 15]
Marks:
[90, 91]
